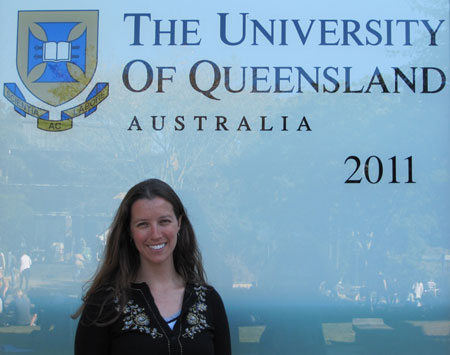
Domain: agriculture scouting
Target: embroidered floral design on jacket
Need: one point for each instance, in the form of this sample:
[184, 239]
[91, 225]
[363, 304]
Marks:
[136, 319]
[195, 317]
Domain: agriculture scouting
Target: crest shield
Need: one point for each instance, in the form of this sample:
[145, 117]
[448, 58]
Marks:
[57, 53]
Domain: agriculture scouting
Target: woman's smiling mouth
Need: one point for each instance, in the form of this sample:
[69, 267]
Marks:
[158, 246]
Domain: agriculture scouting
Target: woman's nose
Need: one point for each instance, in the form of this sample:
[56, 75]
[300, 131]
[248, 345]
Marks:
[153, 231]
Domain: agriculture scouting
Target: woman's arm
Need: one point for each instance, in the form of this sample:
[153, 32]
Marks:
[93, 336]
[222, 341]
[92, 339]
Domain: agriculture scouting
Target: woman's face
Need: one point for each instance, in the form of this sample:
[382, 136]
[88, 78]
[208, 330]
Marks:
[154, 229]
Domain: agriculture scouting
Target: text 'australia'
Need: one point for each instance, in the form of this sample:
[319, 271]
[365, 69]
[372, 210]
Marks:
[221, 123]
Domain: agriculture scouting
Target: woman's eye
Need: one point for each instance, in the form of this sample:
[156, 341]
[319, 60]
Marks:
[142, 224]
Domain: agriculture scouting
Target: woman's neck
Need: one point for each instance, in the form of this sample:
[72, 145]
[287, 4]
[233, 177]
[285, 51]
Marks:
[161, 276]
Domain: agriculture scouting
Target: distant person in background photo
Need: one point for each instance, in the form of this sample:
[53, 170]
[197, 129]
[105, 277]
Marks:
[4, 286]
[79, 265]
[431, 287]
[418, 292]
[2, 261]
[22, 309]
[25, 267]
[11, 268]
[382, 288]
[150, 293]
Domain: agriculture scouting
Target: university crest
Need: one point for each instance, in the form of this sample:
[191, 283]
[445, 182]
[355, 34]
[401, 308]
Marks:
[56, 60]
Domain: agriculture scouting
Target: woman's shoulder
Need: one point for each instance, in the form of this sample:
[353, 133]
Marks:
[101, 305]
[209, 301]
[99, 295]
[206, 292]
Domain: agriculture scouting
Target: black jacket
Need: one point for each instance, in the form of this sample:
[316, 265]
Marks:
[202, 327]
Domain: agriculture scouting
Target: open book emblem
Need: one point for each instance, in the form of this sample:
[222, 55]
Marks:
[57, 53]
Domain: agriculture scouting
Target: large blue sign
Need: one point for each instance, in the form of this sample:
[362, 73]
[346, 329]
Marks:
[308, 141]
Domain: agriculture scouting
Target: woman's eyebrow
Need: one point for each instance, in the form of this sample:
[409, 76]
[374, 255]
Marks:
[165, 216]
[138, 219]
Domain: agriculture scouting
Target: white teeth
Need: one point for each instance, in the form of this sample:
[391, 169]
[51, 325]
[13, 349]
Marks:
[157, 247]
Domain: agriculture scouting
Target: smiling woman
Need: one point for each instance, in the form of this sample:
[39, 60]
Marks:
[150, 292]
